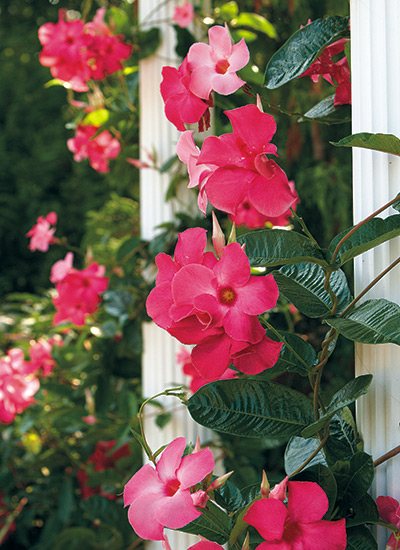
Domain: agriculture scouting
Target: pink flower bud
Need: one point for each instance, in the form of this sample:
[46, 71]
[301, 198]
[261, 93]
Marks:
[279, 491]
[219, 482]
[246, 543]
[264, 486]
[200, 498]
[218, 237]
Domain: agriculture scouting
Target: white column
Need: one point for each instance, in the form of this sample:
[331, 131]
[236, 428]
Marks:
[159, 368]
[375, 49]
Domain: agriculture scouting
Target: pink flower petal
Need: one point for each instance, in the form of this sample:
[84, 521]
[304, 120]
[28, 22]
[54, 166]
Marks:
[254, 128]
[268, 516]
[170, 459]
[142, 515]
[195, 467]
[307, 502]
[233, 268]
[190, 246]
[176, 511]
[211, 357]
[324, 535]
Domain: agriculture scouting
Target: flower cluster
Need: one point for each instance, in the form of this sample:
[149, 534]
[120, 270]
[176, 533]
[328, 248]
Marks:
[336, 73]
[78, 52]
[97, 148]
[299, 524]
[161, 497]
[186, 91]
[78, 292]
[214, 304]
[389, 511]
[40, 354]
[102, 459]
[18, 385]
[42, 234]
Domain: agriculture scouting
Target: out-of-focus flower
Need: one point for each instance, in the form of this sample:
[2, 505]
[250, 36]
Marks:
[300, 524]
[101, 459]
[90, 419]
[17, 385]
[98, 149]
[183, 15]
[61, 268]
[42, 234]
[389, 511]
[40, 354]
[160, 497]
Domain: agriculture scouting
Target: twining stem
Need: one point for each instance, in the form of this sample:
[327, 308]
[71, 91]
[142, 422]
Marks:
[304, 227]
[289, 347]
[10, 518]
[387, 456]
[169, 392]
[371, 284]
[360, 224]
[312, 455]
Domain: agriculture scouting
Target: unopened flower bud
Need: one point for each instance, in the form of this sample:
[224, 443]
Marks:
[232, 236]
[197, 447]
[279, 491]
[219, 482]
[199, 498]
[218, 238]
[246, 542]
[264, 485]
[259, 104]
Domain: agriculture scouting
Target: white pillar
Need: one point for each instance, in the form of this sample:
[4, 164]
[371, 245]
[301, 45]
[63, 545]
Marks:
[375, 49]
[159, 369]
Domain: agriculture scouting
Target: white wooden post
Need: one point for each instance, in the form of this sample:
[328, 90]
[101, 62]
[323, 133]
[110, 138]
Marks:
[375, 49]
[159, 369]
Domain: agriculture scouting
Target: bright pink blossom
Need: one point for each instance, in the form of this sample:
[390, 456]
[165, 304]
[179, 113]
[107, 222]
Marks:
[78, 293]
[42, 234]
[160, 497]
[197, 381]
[389, 511]
[214, 304]
[181, 105]
[299, 525]
[183, 15]
[336, 73]
[61, 268]
[40, 354]
[244, 172]
[17, 385]
[102, 459]
[214, 66]
[98, 149]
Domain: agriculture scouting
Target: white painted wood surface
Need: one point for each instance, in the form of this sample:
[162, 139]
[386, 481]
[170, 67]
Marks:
[375, 49]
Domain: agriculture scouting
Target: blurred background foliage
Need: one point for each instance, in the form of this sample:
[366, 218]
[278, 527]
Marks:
[98, 368]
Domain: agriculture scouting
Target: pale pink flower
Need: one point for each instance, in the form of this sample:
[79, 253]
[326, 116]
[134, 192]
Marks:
[90, 419]
[98, 149]
[299, 524]
[183, 15]
[160, 497]
[42, 234]
[17, 385]
[389, 511]
[40, 354]
[214, 66]
[61, 268]
[214, 304]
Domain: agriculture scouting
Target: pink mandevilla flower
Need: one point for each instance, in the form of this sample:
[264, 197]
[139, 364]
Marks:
[241, 170]
[197, 381]
[40, 354]
[300, 524]
[160, 497]
[17, 385]
[98, 149]
[183, 15]
[78, 292]
[214, 304]
[42, 234]
[214, 66]
[389, 511]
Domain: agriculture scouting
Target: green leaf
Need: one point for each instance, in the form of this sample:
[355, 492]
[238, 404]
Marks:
[97, 117]
[213, 524]
[374, 232]
[118, 303]
[326, 111]
[355, 479]
[387, 143]
[227, 11]
[251, 408]
[272, 247]
[373, 322]
[344, 397]
[360, 538]
[168, 164]
[343, 441]
[324, 477]
[232, 499]
[303, 48]
[127, 247]
[66, 500]
[255, 22]
[298, 450]
[148, 42]
[289, 361]
[364, 511]
[303, 285]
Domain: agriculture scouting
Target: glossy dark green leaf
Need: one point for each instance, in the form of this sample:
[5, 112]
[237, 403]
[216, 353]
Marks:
[300, 361]
[374, 232]
[303, 285]
[213, 524]
[303, 48]
[355, 478]
[360, 538]
[232, 499]
[272, 247]
[324, 477]
[364, 511]
[251, 408]
[298, 450]
[326, 111]
[387, 143]
[344, 397]
[373, 322]
[343, 441]
[118, 303]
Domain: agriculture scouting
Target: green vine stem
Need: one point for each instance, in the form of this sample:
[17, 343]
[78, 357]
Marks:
[312, 455]
[304, 227]
[360, 224]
